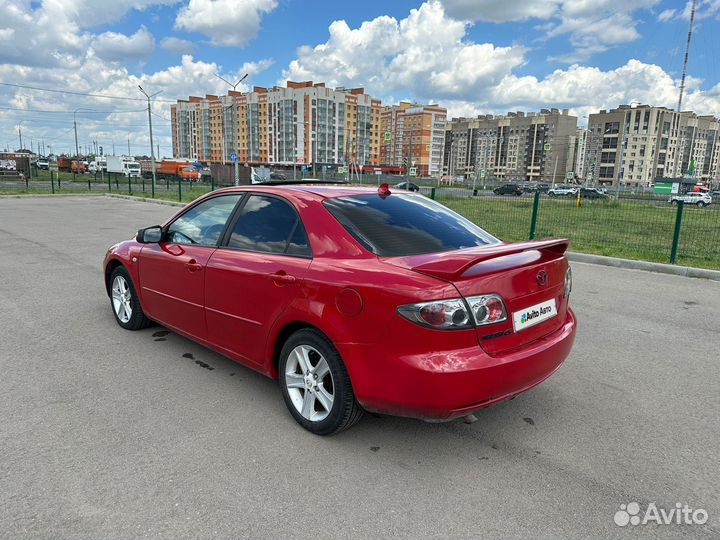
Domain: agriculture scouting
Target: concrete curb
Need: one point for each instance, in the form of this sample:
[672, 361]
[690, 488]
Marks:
[685, 271]
[144, 199]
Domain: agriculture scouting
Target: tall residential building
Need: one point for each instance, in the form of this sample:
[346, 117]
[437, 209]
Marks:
[413, 135]
[303, 123]
[633, 145]
[516, 147]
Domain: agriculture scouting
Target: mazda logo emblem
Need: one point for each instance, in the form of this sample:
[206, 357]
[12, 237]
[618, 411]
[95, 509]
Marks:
[542, 278]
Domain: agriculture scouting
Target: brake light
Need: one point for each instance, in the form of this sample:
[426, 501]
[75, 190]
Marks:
[454, 314]
[384, 190]
[487, 309]
[440, 315]
[568, 283]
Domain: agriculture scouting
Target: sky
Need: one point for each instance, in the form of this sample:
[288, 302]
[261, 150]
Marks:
[471, 56]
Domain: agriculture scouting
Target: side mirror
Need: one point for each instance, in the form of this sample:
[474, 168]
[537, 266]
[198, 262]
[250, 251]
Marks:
[149, 235]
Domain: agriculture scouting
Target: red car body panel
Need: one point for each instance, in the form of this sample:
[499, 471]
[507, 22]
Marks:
[242, 304]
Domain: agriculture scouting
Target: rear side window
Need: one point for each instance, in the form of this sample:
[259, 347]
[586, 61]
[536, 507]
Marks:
[269, 225]
[402, 225]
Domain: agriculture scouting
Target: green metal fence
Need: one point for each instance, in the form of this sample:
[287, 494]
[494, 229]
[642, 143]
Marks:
[642, 228]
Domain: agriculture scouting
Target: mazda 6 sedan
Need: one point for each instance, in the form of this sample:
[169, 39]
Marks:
[353, 299]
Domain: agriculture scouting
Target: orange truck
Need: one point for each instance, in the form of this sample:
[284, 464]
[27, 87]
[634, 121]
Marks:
[168, 169]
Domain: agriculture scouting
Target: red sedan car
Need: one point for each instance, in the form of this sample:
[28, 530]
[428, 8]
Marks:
[354, 299]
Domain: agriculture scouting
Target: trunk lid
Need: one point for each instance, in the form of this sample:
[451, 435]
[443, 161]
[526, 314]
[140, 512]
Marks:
[525, 275]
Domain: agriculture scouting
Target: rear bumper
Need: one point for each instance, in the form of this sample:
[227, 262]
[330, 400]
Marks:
[452, 383]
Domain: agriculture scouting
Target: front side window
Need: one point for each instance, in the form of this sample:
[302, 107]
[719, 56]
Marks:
[269, 225]
[401, 225]
[203, 224]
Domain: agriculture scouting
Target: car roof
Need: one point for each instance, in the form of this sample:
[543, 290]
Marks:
[305, 191]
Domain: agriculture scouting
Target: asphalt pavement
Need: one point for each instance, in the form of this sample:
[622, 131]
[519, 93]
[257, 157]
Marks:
[106, 433]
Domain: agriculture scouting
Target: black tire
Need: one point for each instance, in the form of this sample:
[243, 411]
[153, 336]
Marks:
[673, 202]
[551, 193]
[701, 204]
[137, 319]
[345, 410]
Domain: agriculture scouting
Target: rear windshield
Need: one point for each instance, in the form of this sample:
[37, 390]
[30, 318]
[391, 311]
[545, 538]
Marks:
[401, 225]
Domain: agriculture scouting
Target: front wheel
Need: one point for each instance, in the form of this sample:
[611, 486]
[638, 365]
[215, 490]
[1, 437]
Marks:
[125, 303]
[551, 194]
[701, 204]
[315, 384]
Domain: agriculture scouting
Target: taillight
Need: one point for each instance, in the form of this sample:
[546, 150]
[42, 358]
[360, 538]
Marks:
[454, 315]
[487, 309]
[440, 315]
[568, 283]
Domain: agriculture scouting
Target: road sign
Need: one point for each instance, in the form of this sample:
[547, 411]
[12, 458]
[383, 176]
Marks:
[569, 175]
[547, 147]
[388, 135]
[53, 166]
[233, 157]
[482, 173]
[413, 171]
[342, 170]
[301, 160]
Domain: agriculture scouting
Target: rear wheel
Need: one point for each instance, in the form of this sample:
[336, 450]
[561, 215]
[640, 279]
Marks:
[315, 384]
[125, 303]
[701, 203]
[673, 202]
[551, 193]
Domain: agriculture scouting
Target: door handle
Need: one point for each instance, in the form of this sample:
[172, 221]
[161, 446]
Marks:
[193, 265]
[281, 278]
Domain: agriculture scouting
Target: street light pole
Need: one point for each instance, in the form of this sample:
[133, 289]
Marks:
[225, 109]
[152, 149]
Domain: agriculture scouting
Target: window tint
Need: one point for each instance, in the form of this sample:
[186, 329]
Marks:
[269, 225]
[401, 225]
[203, 224]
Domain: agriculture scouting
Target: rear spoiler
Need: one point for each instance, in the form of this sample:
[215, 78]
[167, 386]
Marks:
[453, 264]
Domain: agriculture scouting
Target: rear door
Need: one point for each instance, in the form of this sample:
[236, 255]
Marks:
[255, 274]
[172, 273]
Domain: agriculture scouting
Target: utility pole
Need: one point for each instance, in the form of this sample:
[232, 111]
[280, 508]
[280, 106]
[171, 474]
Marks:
[77, 150]
[20, 134]
[687, 52]
[152, 150]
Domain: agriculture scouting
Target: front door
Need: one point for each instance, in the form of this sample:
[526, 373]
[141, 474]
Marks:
[255, 275]
[172, 273]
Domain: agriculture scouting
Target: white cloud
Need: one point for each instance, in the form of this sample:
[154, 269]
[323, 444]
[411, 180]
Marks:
[118, 47]
[178, 45]
[703, 10]
[94, 75]
[585, 89]
[593, 26]
[666, 15]
[500, 11]
[55, 32]
[231, 23]
[425, 52]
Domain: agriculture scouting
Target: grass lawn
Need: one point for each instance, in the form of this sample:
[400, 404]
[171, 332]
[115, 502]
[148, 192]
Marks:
[633, 230]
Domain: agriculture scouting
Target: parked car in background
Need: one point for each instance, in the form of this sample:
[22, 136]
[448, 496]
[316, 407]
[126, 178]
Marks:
[508, 189]
[278, 176]
[592, 193]
[43, 164]
[697, 198]
[562, 191]
[409, 186]
[533, 187]
[353, 299]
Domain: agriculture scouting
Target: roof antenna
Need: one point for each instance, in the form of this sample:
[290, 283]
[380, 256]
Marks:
[687, 52]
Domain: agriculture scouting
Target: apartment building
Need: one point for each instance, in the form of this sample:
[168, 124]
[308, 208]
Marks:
[633, 145]
[304, 123]
[413, 136]
[515, 147]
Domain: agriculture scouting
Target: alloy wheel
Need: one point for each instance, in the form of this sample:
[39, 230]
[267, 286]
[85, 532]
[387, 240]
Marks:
[309, 383]
[122, 299]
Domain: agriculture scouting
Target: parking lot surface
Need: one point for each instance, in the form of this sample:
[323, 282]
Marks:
[109, 433]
